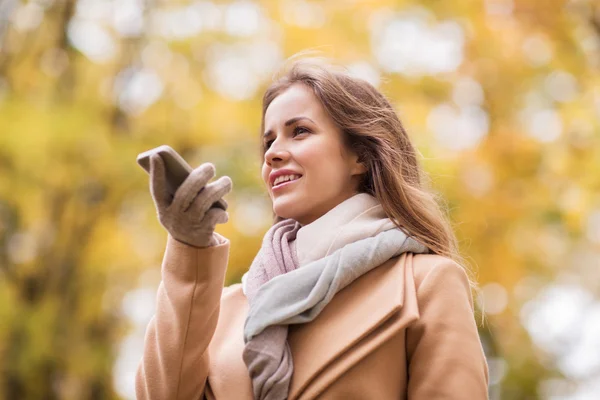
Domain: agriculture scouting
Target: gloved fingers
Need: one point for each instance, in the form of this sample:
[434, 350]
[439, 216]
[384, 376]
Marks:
[158, 182]
[222, 204]
[193, 184]
[215, 216]
[210, 194]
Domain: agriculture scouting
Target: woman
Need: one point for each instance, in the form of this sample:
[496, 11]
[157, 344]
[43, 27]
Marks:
[357, 291]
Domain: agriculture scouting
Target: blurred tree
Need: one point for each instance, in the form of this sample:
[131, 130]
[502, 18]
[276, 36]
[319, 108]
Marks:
[501, 98]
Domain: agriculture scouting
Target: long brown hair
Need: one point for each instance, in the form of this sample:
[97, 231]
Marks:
[374, 132]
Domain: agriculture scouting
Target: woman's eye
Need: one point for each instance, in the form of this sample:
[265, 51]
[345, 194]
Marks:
[300, 129]
[297, 130]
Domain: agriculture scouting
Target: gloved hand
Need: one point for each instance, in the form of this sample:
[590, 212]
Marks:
[189, 217]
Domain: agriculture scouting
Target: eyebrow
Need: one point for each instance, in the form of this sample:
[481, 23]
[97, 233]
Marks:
[288, 123]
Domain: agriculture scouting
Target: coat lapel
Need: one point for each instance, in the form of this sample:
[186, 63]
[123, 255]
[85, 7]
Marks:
[383, 294]
[359, 318]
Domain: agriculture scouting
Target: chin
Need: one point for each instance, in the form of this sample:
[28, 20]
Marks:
[282, 212]
[286, 211]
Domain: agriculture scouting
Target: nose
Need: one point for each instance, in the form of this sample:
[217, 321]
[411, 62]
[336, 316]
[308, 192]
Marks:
[276, 153]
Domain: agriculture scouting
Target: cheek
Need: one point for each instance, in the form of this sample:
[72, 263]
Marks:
[323, 162]
[317, 153]
[265, 174]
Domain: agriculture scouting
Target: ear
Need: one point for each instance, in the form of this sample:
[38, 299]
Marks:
[358, 168]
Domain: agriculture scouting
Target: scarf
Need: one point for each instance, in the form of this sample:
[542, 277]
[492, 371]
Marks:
[280, 293]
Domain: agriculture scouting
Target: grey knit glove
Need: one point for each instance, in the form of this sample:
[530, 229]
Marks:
[188, 216]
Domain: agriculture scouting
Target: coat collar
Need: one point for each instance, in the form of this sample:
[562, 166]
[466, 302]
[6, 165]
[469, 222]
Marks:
[357, 320]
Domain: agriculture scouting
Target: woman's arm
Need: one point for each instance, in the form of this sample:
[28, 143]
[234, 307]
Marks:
[446, 359]
[175, 361]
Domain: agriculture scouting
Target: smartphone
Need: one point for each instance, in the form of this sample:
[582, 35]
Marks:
[176, 169]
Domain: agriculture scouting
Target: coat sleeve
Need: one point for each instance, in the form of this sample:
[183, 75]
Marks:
[175, 359]
[445, 355]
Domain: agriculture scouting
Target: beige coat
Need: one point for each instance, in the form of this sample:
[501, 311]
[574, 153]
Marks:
[404, 330]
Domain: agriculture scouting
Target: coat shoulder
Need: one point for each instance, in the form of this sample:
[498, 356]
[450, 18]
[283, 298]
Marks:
[436, 276]
[428, 266]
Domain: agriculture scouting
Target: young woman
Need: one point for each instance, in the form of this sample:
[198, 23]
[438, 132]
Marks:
[357, 291]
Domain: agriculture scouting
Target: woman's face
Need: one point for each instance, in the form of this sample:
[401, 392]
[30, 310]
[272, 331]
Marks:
[302, 139]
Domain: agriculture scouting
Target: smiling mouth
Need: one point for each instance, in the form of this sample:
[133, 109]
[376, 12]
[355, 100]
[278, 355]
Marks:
[286, 183]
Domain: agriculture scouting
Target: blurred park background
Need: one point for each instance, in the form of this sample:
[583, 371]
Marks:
[501, 97]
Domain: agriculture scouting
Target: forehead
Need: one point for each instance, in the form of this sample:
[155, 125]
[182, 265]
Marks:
[296, 100]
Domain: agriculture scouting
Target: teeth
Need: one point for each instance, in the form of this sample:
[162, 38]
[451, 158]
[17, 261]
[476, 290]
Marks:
[284, 178]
